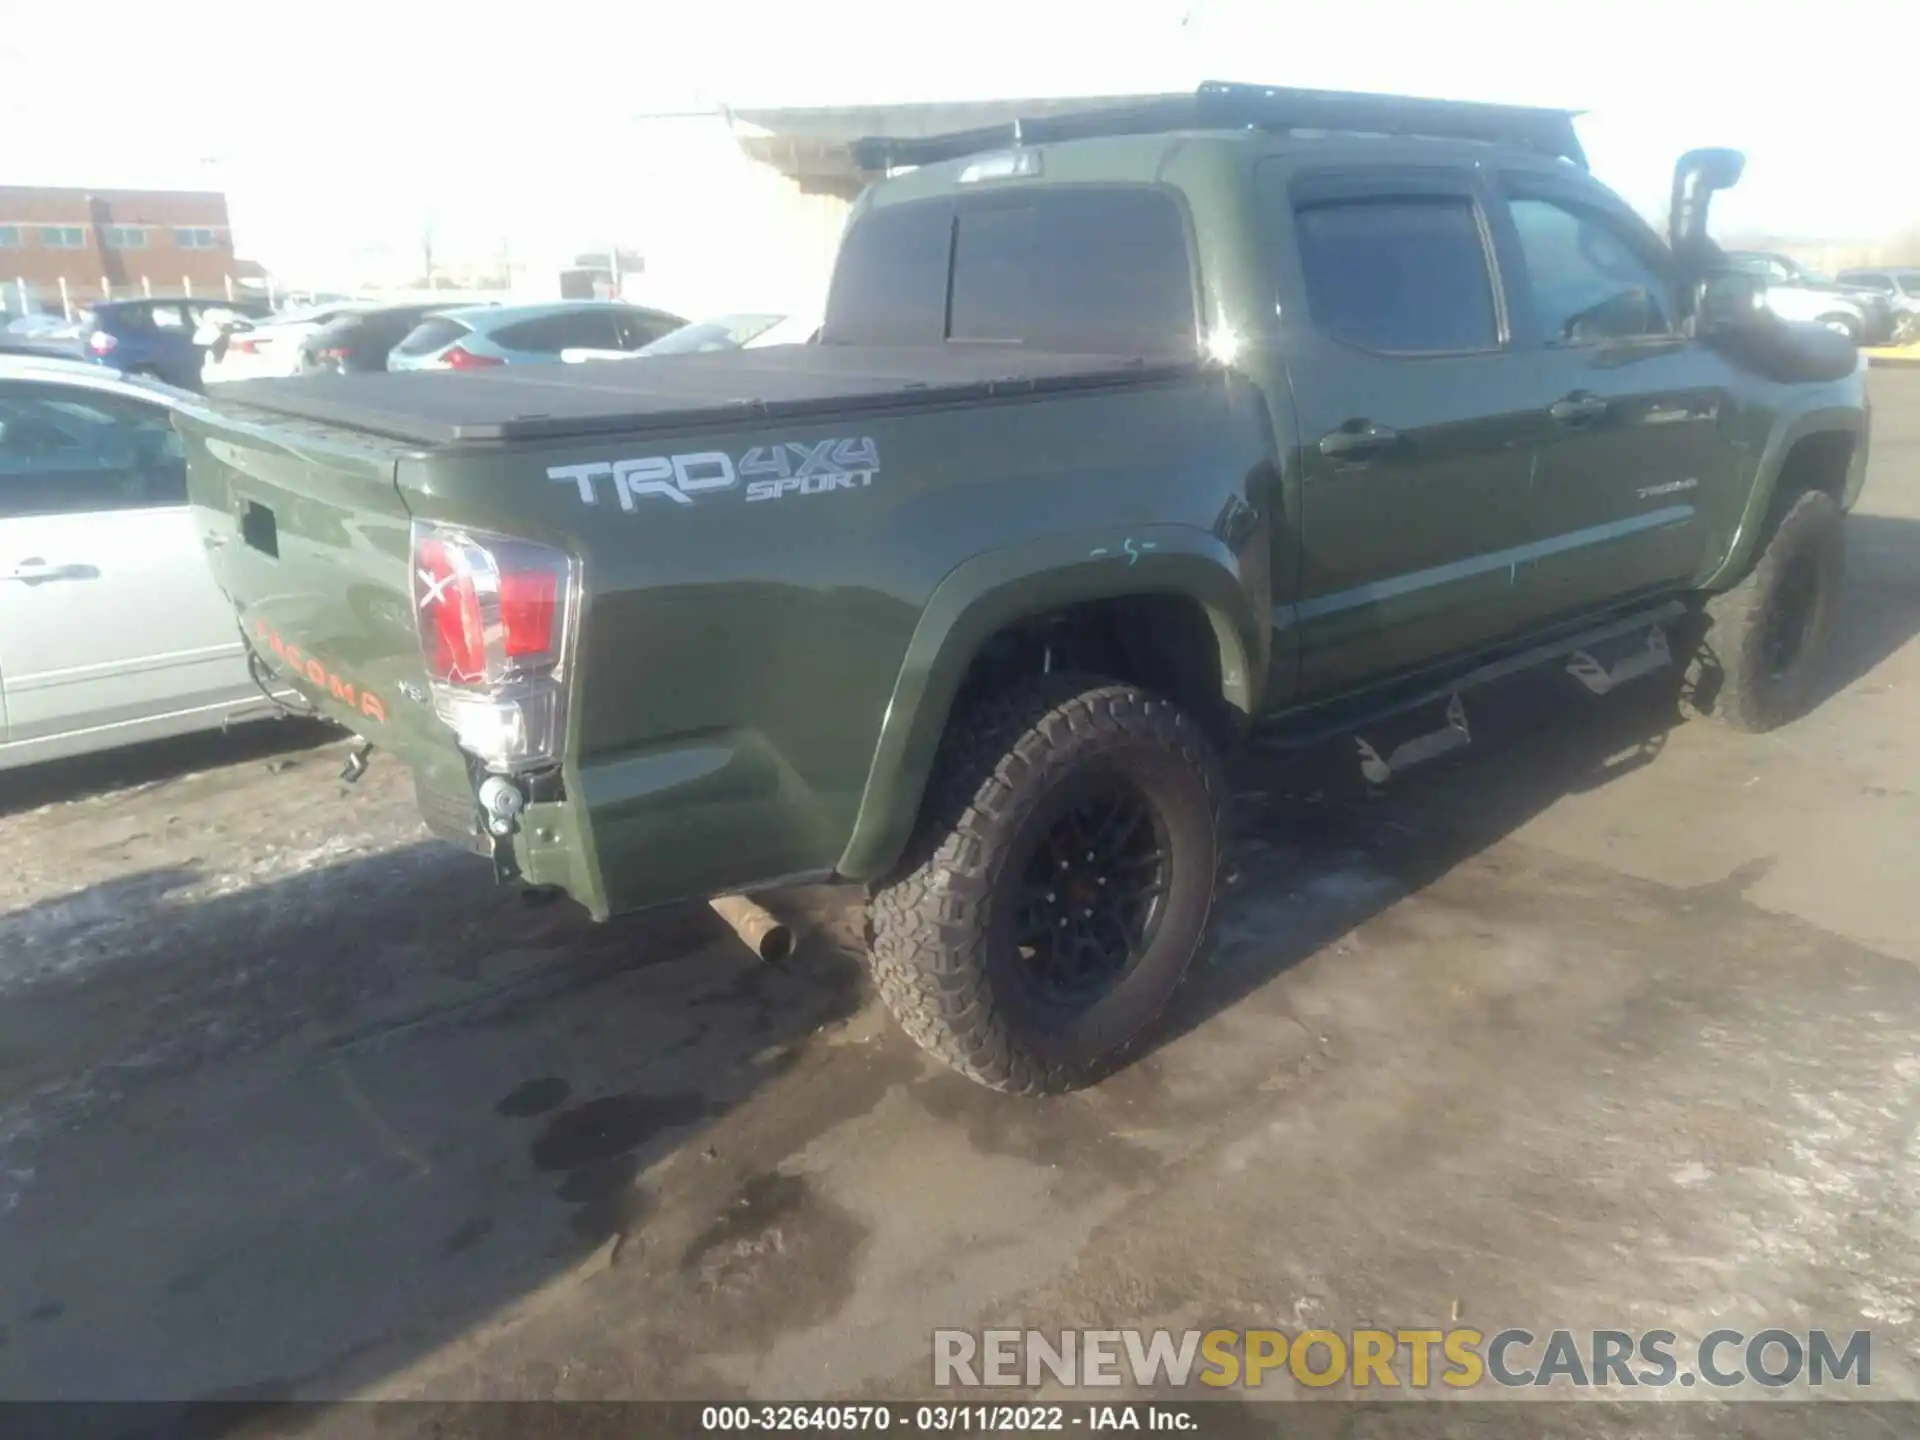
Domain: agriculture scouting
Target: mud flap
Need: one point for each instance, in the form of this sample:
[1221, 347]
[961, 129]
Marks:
[1453, 733]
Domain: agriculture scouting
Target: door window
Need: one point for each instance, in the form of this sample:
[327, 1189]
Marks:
[1587, 283]
[1405, 274]
[70, 450]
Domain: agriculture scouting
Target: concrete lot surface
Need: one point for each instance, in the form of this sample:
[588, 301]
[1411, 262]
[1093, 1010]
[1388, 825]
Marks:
[1610, 1023]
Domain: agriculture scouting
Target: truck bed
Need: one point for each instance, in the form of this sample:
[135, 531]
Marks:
[539, 402]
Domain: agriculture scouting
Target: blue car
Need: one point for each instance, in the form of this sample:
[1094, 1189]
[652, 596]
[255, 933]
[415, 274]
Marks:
[155, 336]
[474, 337]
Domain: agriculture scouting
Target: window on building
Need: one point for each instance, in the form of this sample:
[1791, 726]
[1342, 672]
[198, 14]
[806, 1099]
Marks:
[124, 237]
[9, 237]
[63, 237]
[197, 238]
[1404, 274]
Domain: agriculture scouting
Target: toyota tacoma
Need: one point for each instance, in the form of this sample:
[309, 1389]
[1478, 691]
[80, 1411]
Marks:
[1127, 436]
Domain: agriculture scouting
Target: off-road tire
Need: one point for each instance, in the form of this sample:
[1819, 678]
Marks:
[938, 926]
[1733, 676]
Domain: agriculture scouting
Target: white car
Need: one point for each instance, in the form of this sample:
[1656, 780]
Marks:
[742, 330]
[269, 348]
[112, 630]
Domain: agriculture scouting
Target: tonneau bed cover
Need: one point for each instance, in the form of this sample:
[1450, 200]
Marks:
[534, 402]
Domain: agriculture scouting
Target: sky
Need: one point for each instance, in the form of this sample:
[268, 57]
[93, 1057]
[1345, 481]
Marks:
[340, 129]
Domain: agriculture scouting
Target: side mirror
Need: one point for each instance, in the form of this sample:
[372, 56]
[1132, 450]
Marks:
[1730, 300]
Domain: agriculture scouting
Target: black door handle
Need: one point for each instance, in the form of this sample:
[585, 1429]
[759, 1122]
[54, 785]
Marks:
[1358, 437]
[1577, 408]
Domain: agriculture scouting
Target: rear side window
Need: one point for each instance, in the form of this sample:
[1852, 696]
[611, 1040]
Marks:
[890, 281]
[1074, 269]
[1406, 274]
[550, 334]
[430, 335]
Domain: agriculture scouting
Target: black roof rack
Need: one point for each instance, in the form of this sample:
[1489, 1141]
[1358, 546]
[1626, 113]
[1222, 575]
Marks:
[1222, 105]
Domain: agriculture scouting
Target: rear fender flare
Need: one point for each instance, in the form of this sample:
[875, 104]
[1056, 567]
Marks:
[986, 594]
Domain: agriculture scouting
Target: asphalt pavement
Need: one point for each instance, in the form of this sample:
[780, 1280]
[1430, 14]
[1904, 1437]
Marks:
[1610, 1022]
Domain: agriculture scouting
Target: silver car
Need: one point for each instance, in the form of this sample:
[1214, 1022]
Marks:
[111, 628]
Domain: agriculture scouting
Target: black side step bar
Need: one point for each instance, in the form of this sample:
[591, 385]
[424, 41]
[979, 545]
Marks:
[1586, 653]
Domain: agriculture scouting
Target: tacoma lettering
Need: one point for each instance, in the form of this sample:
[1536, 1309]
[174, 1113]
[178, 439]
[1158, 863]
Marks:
[316, 674]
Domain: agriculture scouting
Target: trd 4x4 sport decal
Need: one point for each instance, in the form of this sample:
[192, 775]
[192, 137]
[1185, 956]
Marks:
[771, 472]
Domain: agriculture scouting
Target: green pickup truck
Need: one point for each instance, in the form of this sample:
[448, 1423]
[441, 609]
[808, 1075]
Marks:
[1127, 435]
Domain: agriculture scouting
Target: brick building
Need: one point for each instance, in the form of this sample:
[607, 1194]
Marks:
[114, 243]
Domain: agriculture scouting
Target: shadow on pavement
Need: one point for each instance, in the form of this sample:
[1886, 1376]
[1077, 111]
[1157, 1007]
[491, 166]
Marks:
[156, 761]
[1880, 604]
[1322, 853]
[251, 1141]
[285, 1140]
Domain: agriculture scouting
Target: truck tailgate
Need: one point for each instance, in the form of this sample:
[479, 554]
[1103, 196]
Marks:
[307, 535]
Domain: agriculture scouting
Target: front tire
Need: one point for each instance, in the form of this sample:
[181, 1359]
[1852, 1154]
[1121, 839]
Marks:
[1766, 640]
[1060, 882]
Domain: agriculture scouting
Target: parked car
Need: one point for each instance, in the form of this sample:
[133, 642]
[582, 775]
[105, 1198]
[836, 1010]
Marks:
[257, 349]
[958, 603]
[1901, 287]
[155, 337]
[111, 627]
[362, 340]
[474, 338]
[1837, 313]
[747, 330]
[1862, 314]
[42, 326]
[44, 349]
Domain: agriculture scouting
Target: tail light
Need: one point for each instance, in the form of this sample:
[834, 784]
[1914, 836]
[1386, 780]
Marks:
[460, 359]
[100, 342]
[244, 347]
[334, 355]
[494, 617]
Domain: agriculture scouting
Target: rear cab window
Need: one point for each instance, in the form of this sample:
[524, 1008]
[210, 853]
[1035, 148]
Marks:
[1099, 269]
